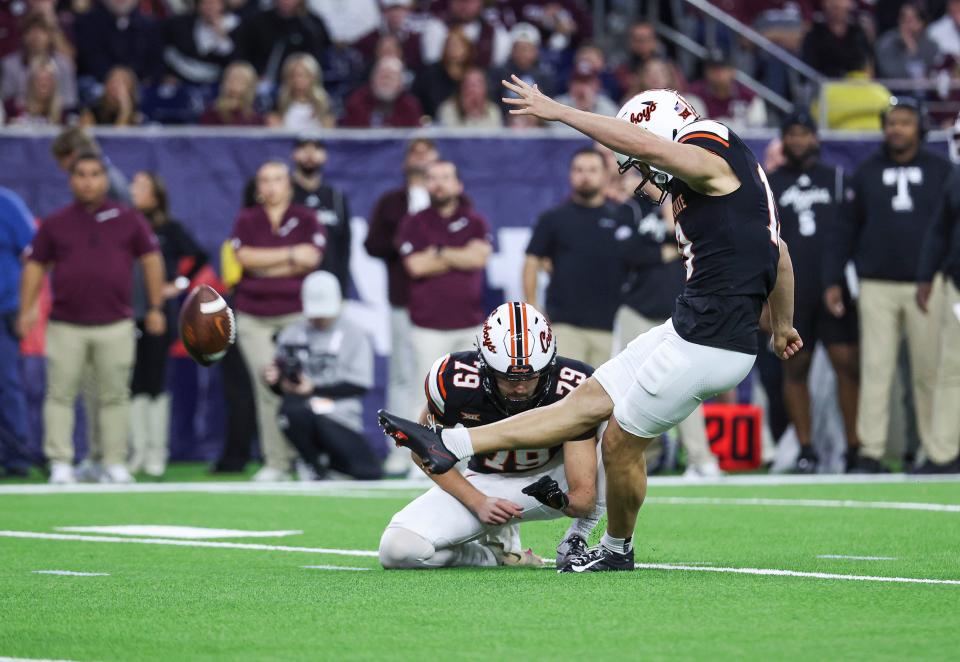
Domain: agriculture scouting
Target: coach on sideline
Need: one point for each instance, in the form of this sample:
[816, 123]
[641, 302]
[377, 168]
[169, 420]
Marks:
[277, 243]
[90, 246]
[445, 248]
[575, 243]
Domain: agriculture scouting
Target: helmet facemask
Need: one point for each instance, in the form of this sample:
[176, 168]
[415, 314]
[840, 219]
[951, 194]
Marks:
[509, 406]
[659, 179]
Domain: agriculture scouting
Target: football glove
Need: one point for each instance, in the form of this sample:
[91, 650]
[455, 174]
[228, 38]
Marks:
[548, 492]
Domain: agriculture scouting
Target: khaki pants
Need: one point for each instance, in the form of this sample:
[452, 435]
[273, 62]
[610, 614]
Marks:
[428, 346]
[693, 430]
[107, 352]
[887, 309]
[944, 444]
[255, 336]
[591, 346]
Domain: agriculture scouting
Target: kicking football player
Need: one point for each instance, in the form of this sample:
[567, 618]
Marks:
[471, 519]
[728, 231]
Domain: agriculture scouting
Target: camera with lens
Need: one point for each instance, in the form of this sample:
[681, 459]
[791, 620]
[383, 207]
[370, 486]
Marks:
[289, 363]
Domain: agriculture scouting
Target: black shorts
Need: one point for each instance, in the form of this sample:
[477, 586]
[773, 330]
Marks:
[814, 322]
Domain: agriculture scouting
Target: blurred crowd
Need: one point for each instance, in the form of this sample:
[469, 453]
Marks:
[310, 64]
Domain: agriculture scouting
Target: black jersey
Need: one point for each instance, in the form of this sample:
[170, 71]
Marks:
[456, 396]
[730, 246]
[809, 202]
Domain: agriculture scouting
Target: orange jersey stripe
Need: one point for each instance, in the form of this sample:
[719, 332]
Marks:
[703, 134]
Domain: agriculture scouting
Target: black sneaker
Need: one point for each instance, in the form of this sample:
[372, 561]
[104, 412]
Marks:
[425, 442]
[807, 461]
[570, 548]
[931, 467]
[868, 465]
[599, 559]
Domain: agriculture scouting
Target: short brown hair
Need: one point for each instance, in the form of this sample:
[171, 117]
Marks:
[416, 142]
[88, 156]
[72, 141]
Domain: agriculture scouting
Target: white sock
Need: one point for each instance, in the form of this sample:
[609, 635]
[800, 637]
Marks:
[584, 526]
[458, 441]
[619, 545]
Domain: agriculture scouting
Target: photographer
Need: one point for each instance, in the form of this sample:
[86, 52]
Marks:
[323, 367]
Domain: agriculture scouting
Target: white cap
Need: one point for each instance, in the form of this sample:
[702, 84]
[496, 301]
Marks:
[321, 295]
[525, 32]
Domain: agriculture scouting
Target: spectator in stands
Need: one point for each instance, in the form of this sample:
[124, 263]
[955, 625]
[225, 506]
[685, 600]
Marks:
[941, 254]
[945, 31]
[266, 38]
[809, 196]
[647, 248]
[471, 105]
[524, 61]
[905, 52]
[119, 104]
[329, 203]
[150, 402]
[893, 198]
[42, 105]
[384, 102]
[16, 233]
[855, 102]
[346, 20]
[302, 103]
[836, 44]
[389, 210]
[199, 45]
[38, 41]
[491, 44]
[658, 73]
[395, 22]
[726, 100]
[590, 56]
[436, 82]
[277, 243]
[234, 105]
[60, 18]
[644, 45]
[90, 246]
[585, 94]
[581, 302]
[323, 368]
[445, 249]
[73, 141]
[115, 33]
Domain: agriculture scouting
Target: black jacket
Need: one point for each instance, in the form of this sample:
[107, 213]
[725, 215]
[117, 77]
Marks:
[941, 245]
[888, 209]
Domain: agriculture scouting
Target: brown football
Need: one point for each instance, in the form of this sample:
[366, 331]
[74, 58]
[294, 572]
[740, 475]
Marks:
[207, 325]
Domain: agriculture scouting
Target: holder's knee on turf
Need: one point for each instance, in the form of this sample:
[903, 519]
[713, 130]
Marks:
[401, 548]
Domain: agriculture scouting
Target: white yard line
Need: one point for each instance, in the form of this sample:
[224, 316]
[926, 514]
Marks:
[845, 557]
[70, 573]
[246, 487]
[29, 659]
[806, 503]
[333, 567]
[183, 543]
[796, 573]
[359, 552]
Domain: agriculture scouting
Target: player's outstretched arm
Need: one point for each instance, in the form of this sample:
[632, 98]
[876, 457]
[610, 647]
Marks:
[702, 170]
[786, 340]
[489, 510]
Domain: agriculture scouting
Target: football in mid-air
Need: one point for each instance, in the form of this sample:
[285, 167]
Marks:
[207, 325]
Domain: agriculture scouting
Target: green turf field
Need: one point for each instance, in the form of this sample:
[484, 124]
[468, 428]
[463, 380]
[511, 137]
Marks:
[705, 599]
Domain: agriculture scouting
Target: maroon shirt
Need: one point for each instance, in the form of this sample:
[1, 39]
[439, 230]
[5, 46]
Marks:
[268, 297]
[92, 255]
[390, 209]
[453, 300]
[364, 110]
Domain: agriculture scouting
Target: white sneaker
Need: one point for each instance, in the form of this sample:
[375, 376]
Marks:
[305, 473]
[61, 473]
[705, 470]
[116, 473]
[270, 475]
[89, 471]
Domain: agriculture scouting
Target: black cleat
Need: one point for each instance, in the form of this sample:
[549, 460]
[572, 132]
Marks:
[599, 559]
[569, 549]
[931, 467]
[807, 461]
[423, 441]
[868, 465]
